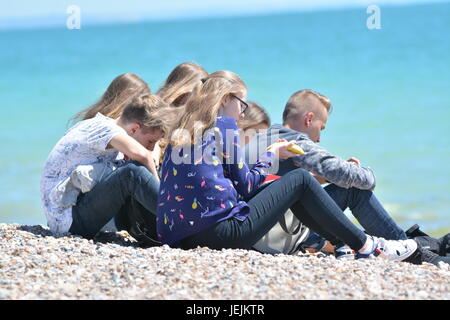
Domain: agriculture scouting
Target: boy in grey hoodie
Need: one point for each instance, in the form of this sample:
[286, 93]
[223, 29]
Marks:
[351, 185]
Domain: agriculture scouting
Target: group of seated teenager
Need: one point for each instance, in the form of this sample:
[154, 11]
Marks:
[187, 167]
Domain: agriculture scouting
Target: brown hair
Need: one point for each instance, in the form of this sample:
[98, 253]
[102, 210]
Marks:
[150, 111]
[203, 105]
[300, 102]
[180, 82]
[122, 89]
[254, 115]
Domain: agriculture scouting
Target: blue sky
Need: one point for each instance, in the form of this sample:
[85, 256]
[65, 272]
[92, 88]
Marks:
[29, 13]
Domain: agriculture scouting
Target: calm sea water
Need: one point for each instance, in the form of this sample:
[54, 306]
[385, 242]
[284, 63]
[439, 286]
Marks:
[390, 90]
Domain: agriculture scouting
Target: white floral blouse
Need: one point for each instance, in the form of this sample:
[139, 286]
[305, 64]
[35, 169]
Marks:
[83, 144]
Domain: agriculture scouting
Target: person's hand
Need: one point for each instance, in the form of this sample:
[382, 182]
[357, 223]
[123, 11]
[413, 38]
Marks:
[354, 160]
[152, 165]
[280, 149]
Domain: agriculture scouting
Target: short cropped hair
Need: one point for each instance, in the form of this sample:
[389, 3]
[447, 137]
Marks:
[300, 102]
[150, 111]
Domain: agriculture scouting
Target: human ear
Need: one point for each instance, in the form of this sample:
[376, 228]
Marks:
[225, 100]
[308, 118]
[134, 127]
[223, 103]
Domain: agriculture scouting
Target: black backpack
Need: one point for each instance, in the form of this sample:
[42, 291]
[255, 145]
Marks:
[439, 246]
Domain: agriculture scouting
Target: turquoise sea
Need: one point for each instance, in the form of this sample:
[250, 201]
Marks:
[390, 89]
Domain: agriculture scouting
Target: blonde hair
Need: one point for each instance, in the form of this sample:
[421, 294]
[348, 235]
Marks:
[254, 115]
[300, 102]
[180, 82]
[150, 112]
[121, 90]
[203, 105]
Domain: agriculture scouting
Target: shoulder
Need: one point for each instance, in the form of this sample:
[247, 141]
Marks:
[226, 122]
[102, 120]
[101, 126]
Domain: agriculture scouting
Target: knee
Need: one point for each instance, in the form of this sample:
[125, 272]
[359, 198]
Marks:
[301, 174]
[355, 192]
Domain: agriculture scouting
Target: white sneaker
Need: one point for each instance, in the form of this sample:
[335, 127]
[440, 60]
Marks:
[344, 252]
[393, 250]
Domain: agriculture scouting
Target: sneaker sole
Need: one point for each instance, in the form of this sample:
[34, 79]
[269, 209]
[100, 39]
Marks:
[346, 257]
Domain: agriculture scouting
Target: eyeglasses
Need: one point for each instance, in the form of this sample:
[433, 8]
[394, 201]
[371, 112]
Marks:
[244, 105]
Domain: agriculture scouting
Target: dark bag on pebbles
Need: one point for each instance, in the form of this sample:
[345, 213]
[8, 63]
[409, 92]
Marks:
[141, 228]
[143, 235]
[439, 246]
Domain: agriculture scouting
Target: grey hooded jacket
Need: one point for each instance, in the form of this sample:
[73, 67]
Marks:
[317, 160]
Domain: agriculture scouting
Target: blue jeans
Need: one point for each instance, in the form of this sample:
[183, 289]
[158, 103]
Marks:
[366, 208]
[369, 212]
[297, 190]
[131, 187]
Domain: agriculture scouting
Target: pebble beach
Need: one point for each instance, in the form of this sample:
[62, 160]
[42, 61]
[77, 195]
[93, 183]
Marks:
[34, 264]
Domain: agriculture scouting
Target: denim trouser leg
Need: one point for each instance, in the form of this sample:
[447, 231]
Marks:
[110, 196]
[266, 208]
[369, 212]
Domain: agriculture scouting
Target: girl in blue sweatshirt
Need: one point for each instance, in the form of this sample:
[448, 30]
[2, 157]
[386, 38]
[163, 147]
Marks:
[208, 195]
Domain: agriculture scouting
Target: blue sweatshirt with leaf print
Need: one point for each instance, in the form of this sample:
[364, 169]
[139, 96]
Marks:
[205, 183]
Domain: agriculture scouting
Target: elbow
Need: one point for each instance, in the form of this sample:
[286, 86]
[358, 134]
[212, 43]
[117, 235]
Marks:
[370, 180]
[367, 182]
[373, 182]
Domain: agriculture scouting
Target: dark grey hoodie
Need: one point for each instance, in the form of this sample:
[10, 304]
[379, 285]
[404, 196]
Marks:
[334, 169]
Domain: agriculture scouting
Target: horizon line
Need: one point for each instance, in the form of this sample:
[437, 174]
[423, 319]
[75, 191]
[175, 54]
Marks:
[36, 21]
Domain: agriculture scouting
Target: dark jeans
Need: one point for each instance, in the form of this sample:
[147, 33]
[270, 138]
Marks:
[129, 187]
[297, 190]
[366, 208]
[369, 212]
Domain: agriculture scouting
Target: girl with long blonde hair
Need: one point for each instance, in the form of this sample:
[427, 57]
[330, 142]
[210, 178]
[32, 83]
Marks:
[208, 195]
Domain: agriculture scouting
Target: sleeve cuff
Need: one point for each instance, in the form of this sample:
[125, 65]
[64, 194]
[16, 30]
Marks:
[268, 158]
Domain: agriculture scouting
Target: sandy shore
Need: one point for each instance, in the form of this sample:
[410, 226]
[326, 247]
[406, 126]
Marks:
[36, 265]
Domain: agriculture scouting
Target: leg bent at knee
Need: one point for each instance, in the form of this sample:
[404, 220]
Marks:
[300, 176]
[134, 169]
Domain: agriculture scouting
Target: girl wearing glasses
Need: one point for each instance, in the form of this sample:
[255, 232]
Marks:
[208, 195]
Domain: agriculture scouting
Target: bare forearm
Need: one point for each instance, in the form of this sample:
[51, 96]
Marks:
[149, 163]
[134, 151]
